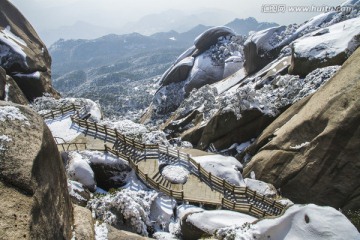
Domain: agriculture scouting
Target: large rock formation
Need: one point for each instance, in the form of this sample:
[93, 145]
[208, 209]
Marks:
[210, 37]
[220, 114]
[325, 47]
[261, 48]
[264, 46]
[312, 151]
[9, 90]
[23, 55]
[217, 53]
[33, 188]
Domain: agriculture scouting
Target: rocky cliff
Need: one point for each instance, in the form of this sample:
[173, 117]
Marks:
[33, 187]
[311, 151]
[23, 55]
[313, 159]
[225, 90]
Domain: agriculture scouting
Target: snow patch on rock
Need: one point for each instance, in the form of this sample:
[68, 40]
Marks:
[260, 187]
[11, 113]
[227, 168]
[101, 231]
[13, 41]
[74, 189]
[126, 127]
[3, 140]
[298, 222]
[322, 44]
[79, 170]
[210, 221]
[175, 174]
[276, 94]
[155, 137]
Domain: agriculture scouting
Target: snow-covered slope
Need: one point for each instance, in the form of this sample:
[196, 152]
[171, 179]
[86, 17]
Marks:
[299, 222]
[236, 108]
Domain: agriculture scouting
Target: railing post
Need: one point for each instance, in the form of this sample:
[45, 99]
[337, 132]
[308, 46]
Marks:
[158, 150]
[171, 193]
[188, 157]
[246, 188]
[198, 166]
[96, 128]
[178, 154]
[210, 176]
[250, 208]
[167, 150]
[233, 205]
[233, 189]
[116, 134]
[145, 155]
[105, 131]
[254, 196]
[264, 213]
[52, 114]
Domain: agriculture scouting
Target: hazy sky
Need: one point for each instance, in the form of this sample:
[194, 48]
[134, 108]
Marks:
[50, 14]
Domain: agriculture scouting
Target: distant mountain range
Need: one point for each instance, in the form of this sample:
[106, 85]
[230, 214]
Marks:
[161, 22]
[108, 68]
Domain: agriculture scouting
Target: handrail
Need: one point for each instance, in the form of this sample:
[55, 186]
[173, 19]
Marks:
[262, 206]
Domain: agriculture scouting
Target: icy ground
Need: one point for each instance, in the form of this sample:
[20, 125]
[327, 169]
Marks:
[62, 129]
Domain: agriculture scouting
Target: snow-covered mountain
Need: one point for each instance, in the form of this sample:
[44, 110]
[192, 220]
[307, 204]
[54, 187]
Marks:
[264, 74]
[122, 70]
[283, 100]
[273, 70]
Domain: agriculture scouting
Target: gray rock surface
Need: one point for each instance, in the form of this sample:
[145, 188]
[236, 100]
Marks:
[210, 37]
[311, 151]
[33, 186]
[204, 71]
[259, 50]
[178, 72]
[83, 224]
[9, 90]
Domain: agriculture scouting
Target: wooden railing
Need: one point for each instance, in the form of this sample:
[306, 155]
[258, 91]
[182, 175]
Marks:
[179, 195]
[61, 111]
[235, 196]
[67, 146]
